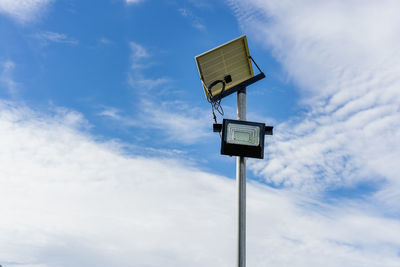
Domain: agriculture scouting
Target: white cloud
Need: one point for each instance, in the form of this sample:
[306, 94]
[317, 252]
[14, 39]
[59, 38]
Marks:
[344, 58]
[55, 37]
[23, 11]
[70, 200]
[6, 77]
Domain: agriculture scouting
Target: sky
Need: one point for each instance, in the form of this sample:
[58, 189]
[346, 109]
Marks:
[108, 156]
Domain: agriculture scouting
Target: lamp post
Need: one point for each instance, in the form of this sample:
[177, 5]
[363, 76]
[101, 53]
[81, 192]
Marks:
[241, 188]
[223, 71]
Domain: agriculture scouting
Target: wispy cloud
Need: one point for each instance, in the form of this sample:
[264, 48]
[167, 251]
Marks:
[105, 41]
[110, 112]
[178, 122]
[195, 20]
[138, 52]
[134, 1]
[137, 78]
[144, 211]
[55, 37]
[205, 4]
[116, 115]
[139, 81]
[6, 77]
[24, 11]
[175, 119]
[344, 58]
[181, 123]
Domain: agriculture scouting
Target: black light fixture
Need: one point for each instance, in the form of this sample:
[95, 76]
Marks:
[243, 138]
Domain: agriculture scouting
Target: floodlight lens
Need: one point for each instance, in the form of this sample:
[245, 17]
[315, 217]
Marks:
[242, 134]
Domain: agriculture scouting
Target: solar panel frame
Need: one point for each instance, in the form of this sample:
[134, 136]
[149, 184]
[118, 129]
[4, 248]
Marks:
[231, 58]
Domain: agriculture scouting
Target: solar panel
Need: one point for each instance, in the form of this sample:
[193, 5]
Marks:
[229, 62]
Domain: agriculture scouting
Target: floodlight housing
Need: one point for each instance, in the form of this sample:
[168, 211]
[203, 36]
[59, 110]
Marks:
[243, 138]
[226, 69]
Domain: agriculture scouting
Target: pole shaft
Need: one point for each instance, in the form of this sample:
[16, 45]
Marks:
[241, 188]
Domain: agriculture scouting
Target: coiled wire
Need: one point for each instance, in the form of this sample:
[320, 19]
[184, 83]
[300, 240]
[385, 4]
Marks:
[216, 103]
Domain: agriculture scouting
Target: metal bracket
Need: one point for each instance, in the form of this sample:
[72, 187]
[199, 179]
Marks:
[268, 130]
[238, 87]
[217, 128]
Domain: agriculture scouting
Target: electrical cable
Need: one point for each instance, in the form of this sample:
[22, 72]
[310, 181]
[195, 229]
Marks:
[215, 104]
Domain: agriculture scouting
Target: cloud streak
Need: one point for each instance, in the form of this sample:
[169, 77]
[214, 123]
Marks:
[47, 37]
[133, 1]
[195, 20]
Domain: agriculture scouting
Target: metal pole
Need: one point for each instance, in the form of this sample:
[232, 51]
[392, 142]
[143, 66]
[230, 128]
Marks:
[241, 188]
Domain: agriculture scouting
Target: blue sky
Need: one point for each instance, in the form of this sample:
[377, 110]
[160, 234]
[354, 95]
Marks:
[108, 156]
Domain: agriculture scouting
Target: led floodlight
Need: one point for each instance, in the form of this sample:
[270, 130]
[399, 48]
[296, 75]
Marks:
[228, 65]
[243, 138]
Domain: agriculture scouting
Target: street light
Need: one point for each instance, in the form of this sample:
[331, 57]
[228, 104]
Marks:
[223, 71]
